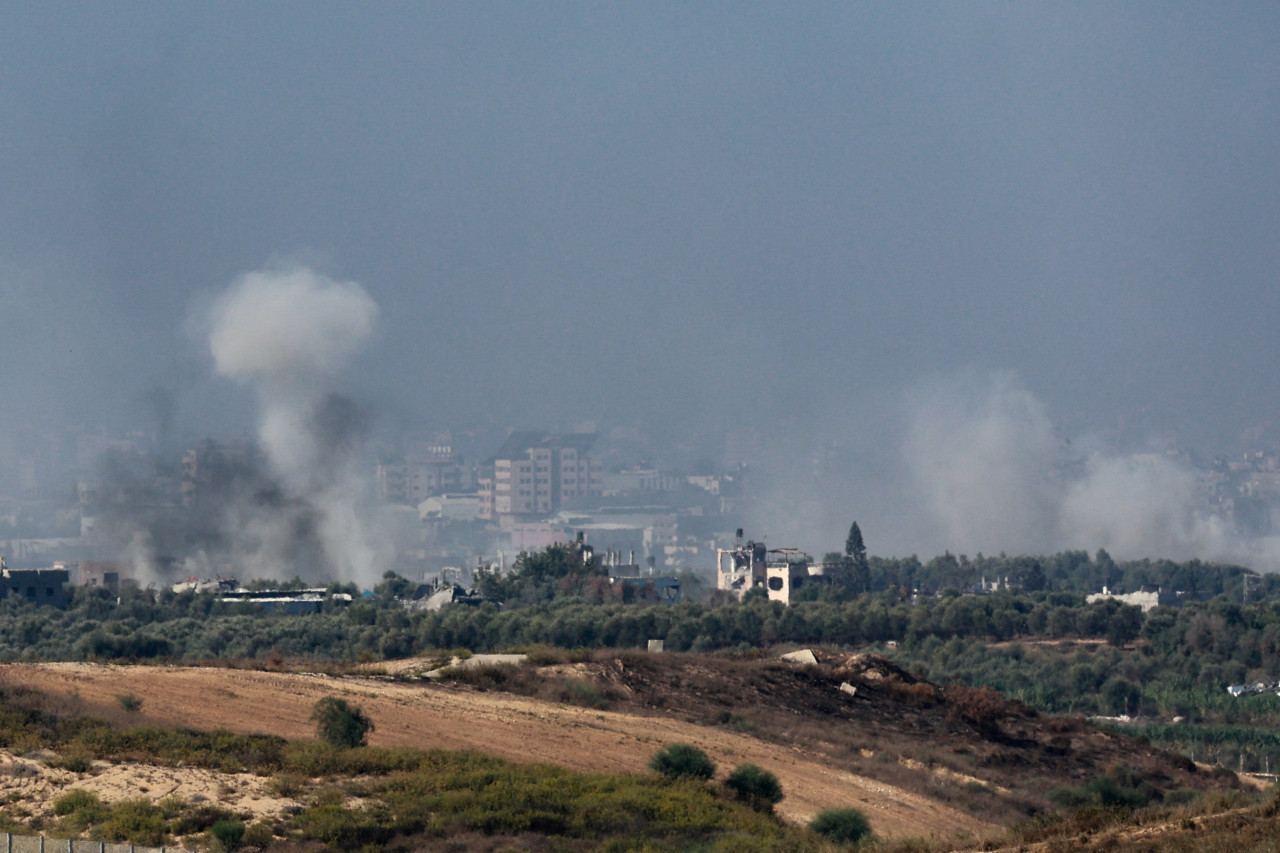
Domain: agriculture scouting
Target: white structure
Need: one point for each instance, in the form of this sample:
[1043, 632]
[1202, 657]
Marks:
[450, 508]
[751, 565]
[1148, 598]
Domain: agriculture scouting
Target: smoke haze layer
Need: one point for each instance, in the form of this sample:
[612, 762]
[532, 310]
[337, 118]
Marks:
[995, 475]
[288, 332]
[974, 462]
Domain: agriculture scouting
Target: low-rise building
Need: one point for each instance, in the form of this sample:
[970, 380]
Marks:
[778, 572]
[1148, 598]
[450, 508]
[39, 586]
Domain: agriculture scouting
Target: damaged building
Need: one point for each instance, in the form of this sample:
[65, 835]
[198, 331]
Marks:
[38, 586]
[752, 565]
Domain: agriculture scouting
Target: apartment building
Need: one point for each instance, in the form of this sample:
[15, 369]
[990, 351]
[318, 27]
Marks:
[431, 471]
[533, 473]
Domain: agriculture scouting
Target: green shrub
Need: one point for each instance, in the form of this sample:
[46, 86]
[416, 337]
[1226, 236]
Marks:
[487, 676]
[130, 702]
[137, 822]
[203, 749]
[544, 656]
[78, 800]
[843, 826]
[172, 806]
[286, 785]
[199, 819]
[581, 655]
[682, 761]
[346, 829]
[258, 835]
[754, 786]
[228, 833]
[76, 762]
[1121, 788]
[339, 724]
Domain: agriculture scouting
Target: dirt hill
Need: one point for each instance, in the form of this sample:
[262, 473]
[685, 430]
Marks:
[969, 747]
[918, 759]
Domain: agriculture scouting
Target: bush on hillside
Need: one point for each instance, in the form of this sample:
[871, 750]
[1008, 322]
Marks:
[843, 826]
[340, 724]
[755, 786]
[229, 833]
[682, 761]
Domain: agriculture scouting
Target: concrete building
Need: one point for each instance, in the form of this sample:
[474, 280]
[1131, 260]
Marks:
[38, 586]
[1148, 598]
[751, 565]
[534, 536]
[533, 473]
[447, 507]
[664, 590]
[103, 573]
[632, 480]
[434, 470]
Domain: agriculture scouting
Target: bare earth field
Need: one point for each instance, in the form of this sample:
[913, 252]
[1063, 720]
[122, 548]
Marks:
[430, 716]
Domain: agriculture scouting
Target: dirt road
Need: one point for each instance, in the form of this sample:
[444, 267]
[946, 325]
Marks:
[434, 716]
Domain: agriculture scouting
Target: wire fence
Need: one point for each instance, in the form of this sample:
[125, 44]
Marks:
[10, 843]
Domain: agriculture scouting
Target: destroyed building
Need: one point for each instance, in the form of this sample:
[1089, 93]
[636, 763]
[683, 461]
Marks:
[752, 565]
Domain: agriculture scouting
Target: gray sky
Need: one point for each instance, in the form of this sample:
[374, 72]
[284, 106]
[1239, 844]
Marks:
[644, 213]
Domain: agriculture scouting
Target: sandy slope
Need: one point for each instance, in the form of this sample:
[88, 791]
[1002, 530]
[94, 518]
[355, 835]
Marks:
[27, 781]
[432, 716]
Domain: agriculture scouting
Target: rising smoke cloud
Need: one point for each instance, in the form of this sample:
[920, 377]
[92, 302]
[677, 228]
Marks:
[995, 475]
[974, 463]
[287, 333]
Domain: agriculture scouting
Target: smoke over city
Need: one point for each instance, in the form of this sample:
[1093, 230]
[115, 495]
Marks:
[994, 475]
[750, 242]
[975, 462]
[287, 333]
[288, 503]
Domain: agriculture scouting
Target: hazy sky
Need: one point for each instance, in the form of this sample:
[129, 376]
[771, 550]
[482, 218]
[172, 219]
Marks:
[652, 213]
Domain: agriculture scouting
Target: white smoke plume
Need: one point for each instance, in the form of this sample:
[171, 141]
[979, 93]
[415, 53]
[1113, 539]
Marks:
[288, 333]
[995, 475]
[985, 465]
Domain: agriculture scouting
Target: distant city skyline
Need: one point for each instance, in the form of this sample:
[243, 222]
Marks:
[837, 224]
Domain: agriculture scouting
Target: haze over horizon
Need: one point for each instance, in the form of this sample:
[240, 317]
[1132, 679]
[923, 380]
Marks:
[910, 245]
